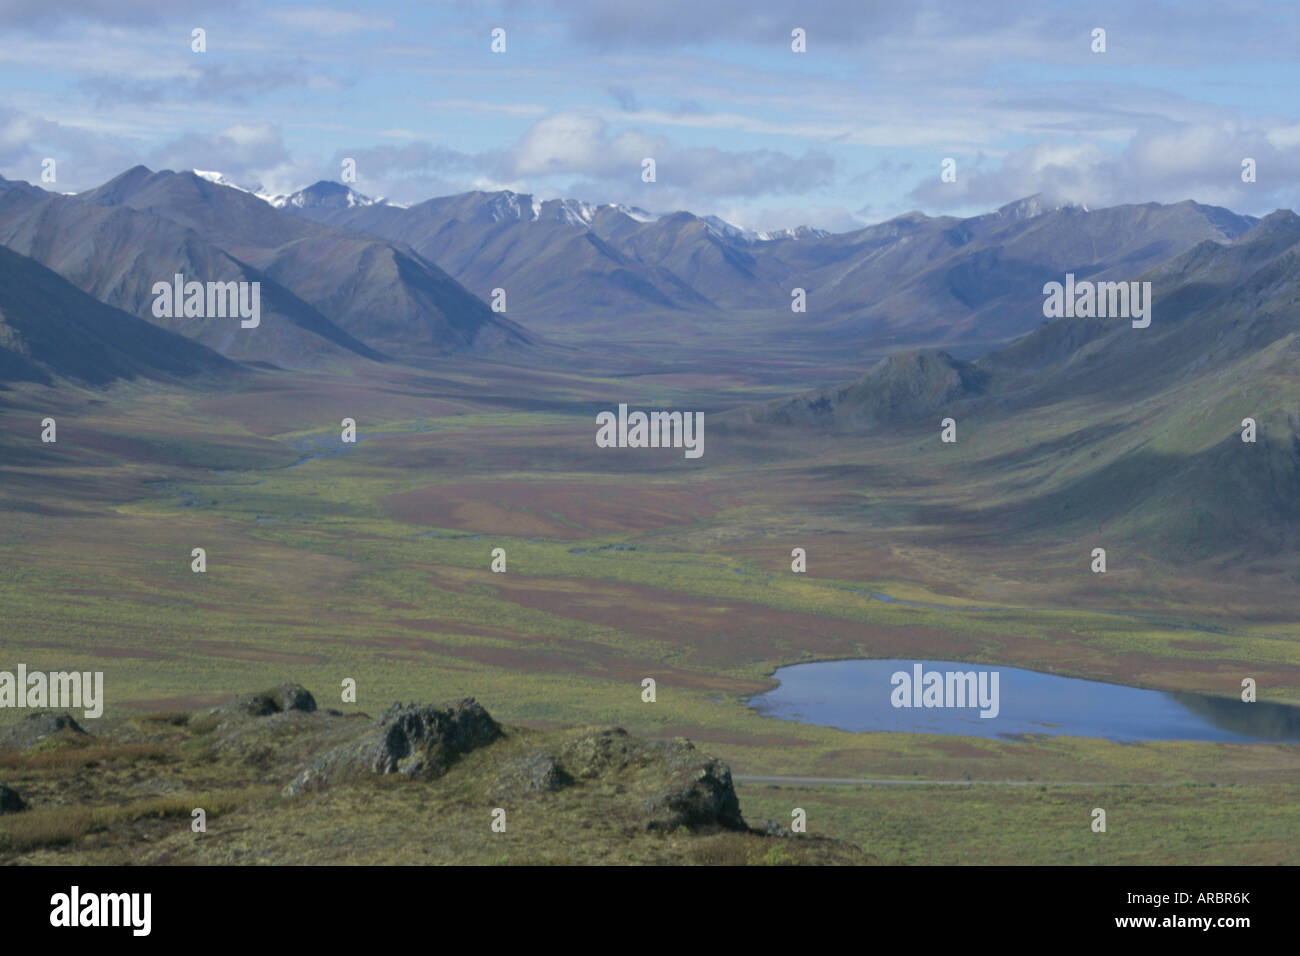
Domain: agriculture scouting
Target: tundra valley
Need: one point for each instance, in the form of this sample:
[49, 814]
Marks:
[389, 488]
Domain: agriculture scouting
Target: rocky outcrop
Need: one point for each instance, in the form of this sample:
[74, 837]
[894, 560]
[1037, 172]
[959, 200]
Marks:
[656, 786]
[602, 752]
[664, 784]
[417, 785]
[39, 727]
[699, 793]
[536, 772]
[418, 742]
[277, 700]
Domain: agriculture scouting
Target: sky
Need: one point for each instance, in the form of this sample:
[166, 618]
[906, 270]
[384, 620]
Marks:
[853, 131]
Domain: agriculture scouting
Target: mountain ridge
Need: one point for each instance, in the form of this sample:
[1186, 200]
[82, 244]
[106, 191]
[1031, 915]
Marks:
[49, 328]
[381, 293]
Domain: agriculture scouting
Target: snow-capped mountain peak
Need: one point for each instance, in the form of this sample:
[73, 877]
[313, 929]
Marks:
[508, 206]
[729, 230]
[221, 180]
[635, 213]
[1034, 206]
[794, 232]
[324, 194]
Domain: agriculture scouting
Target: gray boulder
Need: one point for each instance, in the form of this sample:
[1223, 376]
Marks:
[415, 741]
[603, 752]
[699, 795]
[536, 772]
[277, 700]
[674, 784]
[10, 801]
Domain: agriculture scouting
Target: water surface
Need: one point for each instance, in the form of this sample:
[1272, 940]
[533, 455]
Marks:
[856, 695]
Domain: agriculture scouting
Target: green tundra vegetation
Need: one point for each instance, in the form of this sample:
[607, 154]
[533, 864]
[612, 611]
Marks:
[371, 562]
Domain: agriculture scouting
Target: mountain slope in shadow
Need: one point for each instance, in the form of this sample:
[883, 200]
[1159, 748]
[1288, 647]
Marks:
[49, 328]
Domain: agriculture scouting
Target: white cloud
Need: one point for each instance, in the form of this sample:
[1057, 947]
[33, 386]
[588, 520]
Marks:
[578, 143]
[331, 22]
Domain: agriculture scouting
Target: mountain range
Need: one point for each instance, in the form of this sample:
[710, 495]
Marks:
[1135, 430]
[328, 294]
[914, 279]
[346, 277]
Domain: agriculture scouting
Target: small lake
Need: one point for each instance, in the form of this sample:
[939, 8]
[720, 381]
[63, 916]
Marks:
[860, 695]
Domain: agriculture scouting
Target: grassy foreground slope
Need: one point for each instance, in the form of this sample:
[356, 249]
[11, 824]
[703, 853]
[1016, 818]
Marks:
[417, 785]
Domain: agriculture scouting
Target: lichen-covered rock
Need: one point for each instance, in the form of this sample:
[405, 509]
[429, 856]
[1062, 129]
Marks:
[657, 786]
[700, 795]
[10, 801]
[421, 742]
[279, 699]
[676, 784]
[601, 752]
[418, 742]
[536, 772]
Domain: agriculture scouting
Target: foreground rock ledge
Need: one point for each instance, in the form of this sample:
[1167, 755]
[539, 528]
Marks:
[671, 783]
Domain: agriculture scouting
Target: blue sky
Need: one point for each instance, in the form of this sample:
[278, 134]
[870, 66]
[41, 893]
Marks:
[851, 132]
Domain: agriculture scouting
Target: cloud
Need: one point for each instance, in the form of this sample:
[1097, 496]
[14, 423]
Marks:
[251, 154]
[580, 143]
[716, 172]
[207, 83]
[407, 159]
[774, 218]
[1165, 162]
[329, 22]
[43, 15]
[84, 158]
[570, 144]
[736, 122]
[930, 35]
[409, 172]
[684, 23]
[625, 98]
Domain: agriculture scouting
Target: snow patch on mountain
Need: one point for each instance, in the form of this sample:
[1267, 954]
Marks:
[575, 212]
[507, 206]
[324, 194]
[794, 232]
[1031, 207]
[735, 233]
[221, 180]
[632, 212]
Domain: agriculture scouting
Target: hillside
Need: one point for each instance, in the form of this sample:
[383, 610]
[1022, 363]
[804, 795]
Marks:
[1092, 428]
[49, 328]
[117, 254]
[900, 389]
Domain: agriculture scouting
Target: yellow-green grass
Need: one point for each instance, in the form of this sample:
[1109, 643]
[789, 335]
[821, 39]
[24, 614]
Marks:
[333, 586]
[1047, 825]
